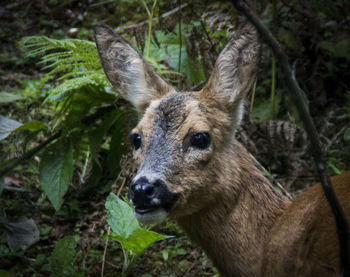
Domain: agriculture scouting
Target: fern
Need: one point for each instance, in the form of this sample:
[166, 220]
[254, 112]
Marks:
[74, 63]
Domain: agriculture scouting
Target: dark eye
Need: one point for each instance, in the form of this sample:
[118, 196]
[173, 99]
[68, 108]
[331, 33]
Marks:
[201, 140]
[136, 138]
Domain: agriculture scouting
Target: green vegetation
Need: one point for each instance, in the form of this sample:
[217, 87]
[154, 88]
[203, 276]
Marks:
[64, 130]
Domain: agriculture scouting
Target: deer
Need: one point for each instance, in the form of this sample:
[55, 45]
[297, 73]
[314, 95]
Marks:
[192, 169]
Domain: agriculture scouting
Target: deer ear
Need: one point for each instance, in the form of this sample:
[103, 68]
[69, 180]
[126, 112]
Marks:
[127, 71]
[235, 70]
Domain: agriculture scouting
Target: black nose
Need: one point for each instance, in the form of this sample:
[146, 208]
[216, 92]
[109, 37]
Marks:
[142, 192]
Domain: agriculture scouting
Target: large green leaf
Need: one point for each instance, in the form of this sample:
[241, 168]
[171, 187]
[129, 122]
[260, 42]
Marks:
[121, 216]
[56, 171]
[126, 230]
[7, 126]
[139, 240]
[62, 257]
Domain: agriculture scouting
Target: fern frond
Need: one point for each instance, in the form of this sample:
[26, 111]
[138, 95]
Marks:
[74, 63]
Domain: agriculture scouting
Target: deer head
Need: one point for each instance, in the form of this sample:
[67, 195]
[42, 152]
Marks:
[182, 136]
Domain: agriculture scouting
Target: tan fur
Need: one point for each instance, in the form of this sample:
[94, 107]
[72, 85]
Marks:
[224, 203]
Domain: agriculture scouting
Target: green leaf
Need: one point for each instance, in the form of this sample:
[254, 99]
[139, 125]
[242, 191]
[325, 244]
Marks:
[347, 135]
[4, 273]
[32, 126]
[56, 171]
[340, 49]
[126, 229]
[288, 38]
[97, 134]
[138, 241]
[7, 126]
[6, 97]
[121, 216]
[62, 257]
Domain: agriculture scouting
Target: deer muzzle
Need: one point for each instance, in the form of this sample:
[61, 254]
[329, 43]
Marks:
[152, 200]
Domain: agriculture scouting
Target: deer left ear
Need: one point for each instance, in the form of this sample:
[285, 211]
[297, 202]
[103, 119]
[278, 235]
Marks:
[127, 71]
[235, 71]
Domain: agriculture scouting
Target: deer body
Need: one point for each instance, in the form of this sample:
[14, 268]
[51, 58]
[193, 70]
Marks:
[192, 169]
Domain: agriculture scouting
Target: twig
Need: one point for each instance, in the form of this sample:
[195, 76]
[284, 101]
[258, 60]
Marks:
[262, 168]
[315, 145]
[252, 98]
[335, 137]
[180, 48]
[153, 19]
[13, 163]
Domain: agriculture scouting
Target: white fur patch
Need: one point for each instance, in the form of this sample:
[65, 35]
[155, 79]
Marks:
[156, 216]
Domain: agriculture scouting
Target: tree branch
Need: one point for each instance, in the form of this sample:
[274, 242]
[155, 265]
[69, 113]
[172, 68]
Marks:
[26, 156]
[315, 145]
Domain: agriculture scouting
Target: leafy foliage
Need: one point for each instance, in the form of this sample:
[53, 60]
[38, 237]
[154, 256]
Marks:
[75, 60]
[75, 99]
[56, 171]
[127, 231]
[62, 257]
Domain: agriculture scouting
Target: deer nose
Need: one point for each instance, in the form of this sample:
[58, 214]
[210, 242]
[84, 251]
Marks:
[142, 192]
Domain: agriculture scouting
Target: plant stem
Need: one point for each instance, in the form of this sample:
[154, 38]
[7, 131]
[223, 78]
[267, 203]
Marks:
[273, 88]
[150, 17]
[26, 156]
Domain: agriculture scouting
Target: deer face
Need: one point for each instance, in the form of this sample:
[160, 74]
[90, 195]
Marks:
[182, 135]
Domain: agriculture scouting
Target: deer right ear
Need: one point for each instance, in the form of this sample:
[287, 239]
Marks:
[127, 71]
[235, 71]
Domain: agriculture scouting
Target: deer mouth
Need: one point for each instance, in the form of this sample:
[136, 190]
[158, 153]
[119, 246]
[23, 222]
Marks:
[156, 211]
[144, 210]
[150, 215]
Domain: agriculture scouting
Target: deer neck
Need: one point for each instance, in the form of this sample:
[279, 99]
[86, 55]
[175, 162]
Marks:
[232, 231]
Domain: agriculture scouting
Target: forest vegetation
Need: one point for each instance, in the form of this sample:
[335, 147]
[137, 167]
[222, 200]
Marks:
[64, 132]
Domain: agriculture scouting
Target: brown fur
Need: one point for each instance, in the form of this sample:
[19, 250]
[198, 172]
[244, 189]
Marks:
[224, 203]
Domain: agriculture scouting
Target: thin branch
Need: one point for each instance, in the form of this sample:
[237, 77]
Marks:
[26, 156]
[315, 145]
[262, 168]
[336, 136]
[153, 19]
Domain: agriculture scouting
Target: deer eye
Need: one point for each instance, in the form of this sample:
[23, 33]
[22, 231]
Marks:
[136, 139]
[201, 140]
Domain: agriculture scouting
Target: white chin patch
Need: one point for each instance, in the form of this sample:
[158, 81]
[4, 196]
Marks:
[152, 217]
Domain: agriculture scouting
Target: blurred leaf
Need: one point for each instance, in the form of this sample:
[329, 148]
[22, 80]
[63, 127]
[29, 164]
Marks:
[32, 126]
[21, 234]
[56, 171]
[340, 49]
[4, 273]
[288, 38]
[6, 97]
[117, 147]
[97, 134]
[347, 135]
[62, 257]
[7, 126]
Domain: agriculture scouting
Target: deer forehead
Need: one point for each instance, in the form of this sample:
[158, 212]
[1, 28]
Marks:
[175, 115]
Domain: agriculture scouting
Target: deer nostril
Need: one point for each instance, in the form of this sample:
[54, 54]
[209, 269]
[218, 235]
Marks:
[148, 189]
[142, 191]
